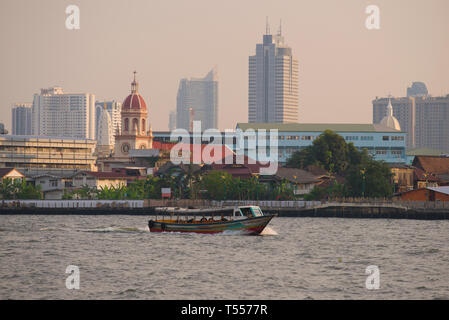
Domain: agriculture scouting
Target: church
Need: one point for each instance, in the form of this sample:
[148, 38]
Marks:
[133, 135]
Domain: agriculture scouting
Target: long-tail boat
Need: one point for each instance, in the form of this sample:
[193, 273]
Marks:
[245, 219]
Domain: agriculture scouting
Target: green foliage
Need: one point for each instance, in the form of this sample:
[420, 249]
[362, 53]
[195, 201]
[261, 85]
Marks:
[19, 189]
[370, 179]
[365, 177]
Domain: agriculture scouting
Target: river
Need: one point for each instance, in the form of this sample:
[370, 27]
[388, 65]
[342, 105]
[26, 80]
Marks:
[298, 258]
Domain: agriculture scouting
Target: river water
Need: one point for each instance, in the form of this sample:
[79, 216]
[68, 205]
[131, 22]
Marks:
[298, 258]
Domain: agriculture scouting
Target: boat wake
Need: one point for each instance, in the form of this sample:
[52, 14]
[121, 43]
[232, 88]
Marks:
[117, 229]
[268, 232]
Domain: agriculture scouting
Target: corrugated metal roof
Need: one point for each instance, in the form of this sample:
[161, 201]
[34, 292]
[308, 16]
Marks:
[444, 189]
[318, 127]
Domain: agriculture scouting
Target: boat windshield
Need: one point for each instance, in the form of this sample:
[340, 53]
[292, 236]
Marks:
[246, 212]
[257, 212]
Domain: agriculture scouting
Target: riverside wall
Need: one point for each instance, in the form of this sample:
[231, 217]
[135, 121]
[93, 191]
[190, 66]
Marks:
[353, 209]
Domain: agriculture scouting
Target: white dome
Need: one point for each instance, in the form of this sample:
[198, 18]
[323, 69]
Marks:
[389, 120]
[105, 129]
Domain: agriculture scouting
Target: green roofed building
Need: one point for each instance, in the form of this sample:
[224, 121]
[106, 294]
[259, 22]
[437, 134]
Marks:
[382, 142]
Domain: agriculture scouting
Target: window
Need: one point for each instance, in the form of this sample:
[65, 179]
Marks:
[135, 125]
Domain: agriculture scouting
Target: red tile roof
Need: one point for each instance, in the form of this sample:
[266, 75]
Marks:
[432, 164]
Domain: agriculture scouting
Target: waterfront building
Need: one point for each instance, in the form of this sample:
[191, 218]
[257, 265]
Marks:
[21, 119]
[100, 179]
[197, 100]
[273, 82]
[427, 194]
[383, 143]
[59, 114]
[422, 117]
[45, 154]
[10, 173]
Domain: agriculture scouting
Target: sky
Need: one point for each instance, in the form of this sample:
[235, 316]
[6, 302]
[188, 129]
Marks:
[343, 65]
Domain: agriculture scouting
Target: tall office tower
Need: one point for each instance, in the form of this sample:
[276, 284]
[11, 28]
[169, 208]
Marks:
[21, 119]
[273, 81]
[2, 129]
[114, 109]
[172, 121]
[200, 95]
[418, 89]
[432, 123]
[59, 114]
[423, 118]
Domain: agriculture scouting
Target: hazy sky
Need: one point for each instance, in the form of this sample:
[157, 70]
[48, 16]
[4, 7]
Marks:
[342, 65]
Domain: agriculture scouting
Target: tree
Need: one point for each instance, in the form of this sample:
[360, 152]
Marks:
[370, 179]
[217, 184]
[365, 176]
[19, 189]
[329, 151]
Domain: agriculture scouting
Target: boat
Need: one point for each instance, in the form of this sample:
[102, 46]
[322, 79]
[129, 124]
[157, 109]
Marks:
[245, 219]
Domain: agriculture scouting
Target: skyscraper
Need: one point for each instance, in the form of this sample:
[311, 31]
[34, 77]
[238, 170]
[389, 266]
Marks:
[172, 121]
[21, 119]
[59, 114]
[198, 97]
[424, 118]
[418, 89]
[273, 81]
[114, 109]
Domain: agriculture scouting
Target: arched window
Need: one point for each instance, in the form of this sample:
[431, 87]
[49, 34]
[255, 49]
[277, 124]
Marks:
[143, 125]
[135, 125]
[126, 124]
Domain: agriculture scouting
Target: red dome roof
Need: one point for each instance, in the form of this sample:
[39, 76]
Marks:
[134, 101]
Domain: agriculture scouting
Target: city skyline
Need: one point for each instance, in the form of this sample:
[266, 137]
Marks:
[343, 65]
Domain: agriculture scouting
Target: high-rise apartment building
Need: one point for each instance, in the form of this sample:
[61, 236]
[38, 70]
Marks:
[424, 118]
[273, 82]
[417, 89]
[114, 110]
[21, 119]
[59, 114]
[197, 100]
[172, 121]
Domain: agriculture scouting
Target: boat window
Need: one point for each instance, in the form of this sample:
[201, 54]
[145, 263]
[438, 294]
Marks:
[257, 212]
[246, 212]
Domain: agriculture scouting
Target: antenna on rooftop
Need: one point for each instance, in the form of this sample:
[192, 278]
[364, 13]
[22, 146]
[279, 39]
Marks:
[267, 27]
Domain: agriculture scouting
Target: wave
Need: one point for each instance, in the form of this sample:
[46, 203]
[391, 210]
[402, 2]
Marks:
[268, 232]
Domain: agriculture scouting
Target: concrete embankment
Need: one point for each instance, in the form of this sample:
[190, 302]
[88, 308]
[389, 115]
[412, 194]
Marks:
[363, 212]
[325, 210]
